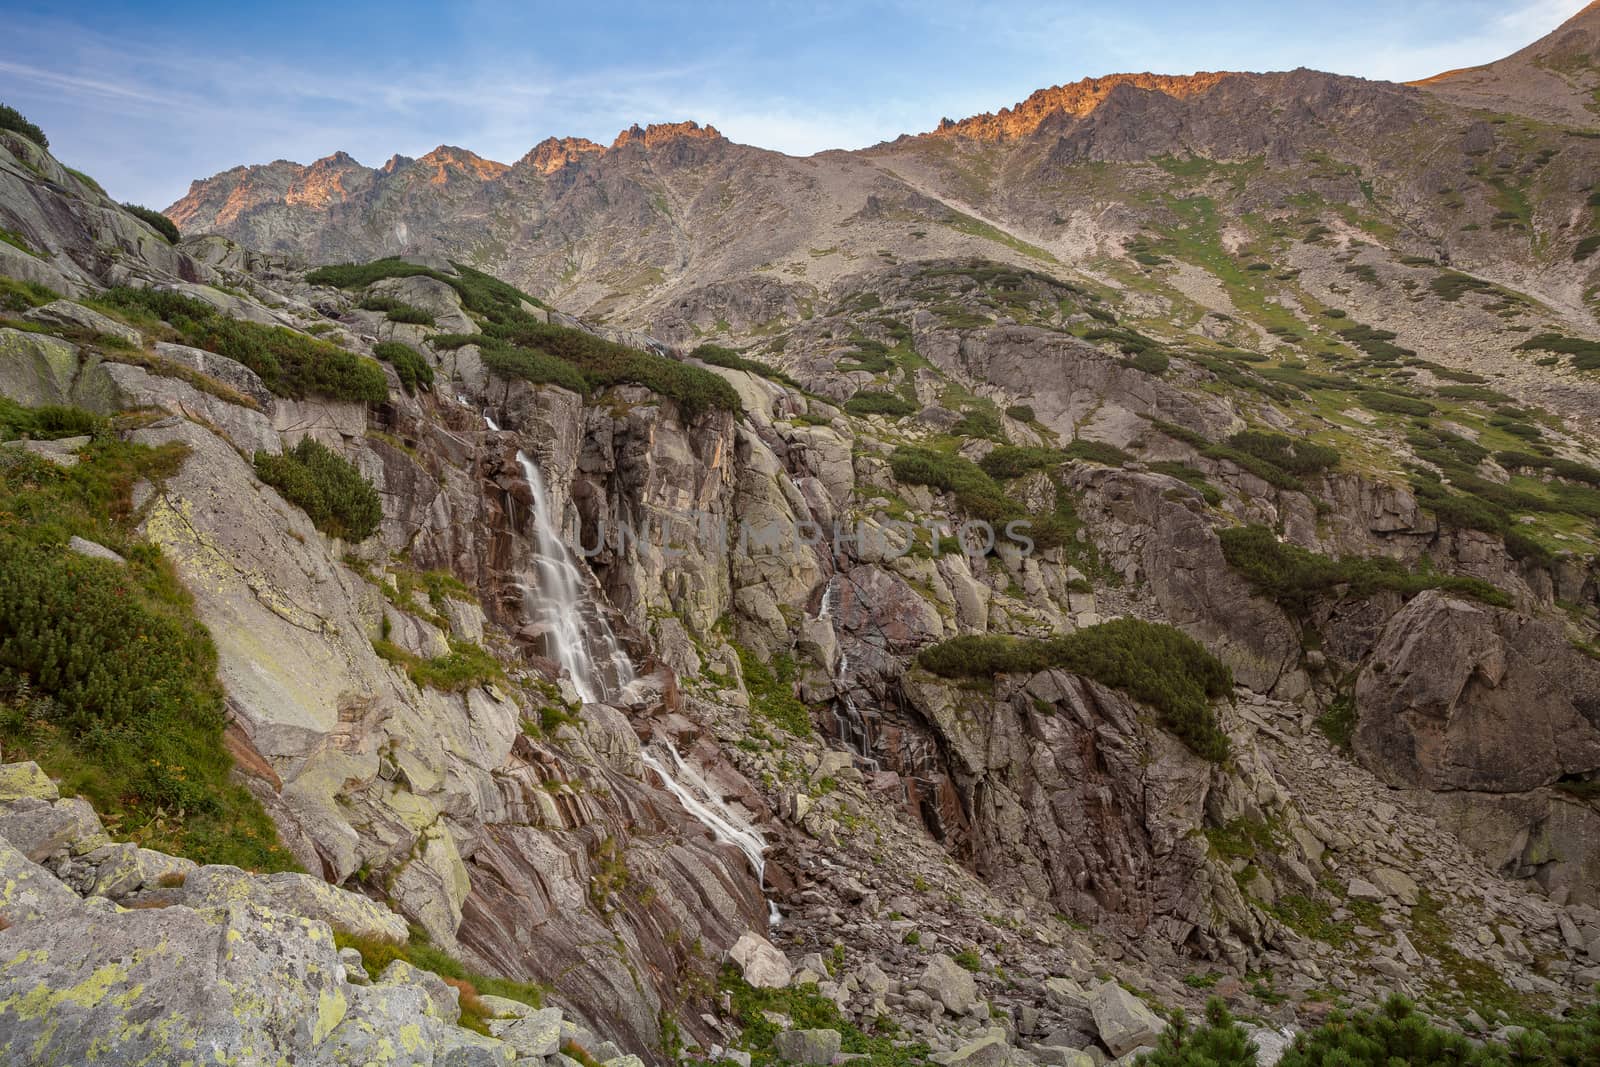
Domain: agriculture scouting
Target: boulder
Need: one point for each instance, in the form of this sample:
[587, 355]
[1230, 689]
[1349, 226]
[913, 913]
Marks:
[229, 372]
[66, 826]
[1458, 695]
[159, 981]
[807, 1046]
[1397, 884]
[93, 550]
[29, 892]
[1361, 889]
[762, 965]
[36, 369]
[72, 315]
[63, 451]
[125, 868]
[991, 1050]
[1123, 1021]
[295, 894]
[446, 998]
[947, 982]
[18, 780]
[135, 387]
[535, 1034]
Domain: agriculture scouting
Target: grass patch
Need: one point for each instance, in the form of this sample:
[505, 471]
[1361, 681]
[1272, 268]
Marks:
[753, 1011]
[18, 295]
[465, 666]
[48, 423]
[1155, 664]
[419, 952]
[771, 689]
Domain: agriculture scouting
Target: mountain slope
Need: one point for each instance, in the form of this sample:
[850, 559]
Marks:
[1555, 79]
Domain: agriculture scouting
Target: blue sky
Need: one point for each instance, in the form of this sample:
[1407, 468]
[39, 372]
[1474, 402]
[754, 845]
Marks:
[147, 96]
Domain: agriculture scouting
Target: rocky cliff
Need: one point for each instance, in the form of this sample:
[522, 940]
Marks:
[1196, 590]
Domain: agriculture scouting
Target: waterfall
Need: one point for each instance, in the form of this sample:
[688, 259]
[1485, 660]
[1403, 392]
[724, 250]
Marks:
[576, 634]
[690, 788]
[854, 729]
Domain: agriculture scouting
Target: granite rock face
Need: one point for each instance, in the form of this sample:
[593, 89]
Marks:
[1462, 696]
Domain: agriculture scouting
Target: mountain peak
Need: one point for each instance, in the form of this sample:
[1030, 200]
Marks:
[553, 153]
[657, 134]
[1077, 99]
[448, 160]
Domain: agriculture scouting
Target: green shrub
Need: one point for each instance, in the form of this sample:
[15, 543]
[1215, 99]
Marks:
[1393, 403]
[465, 666]
[399, 310]
[163, 225]
[11, 119]
[18, 295]
[288, 363]
[1393, 1034]
[1457, 510]
[1189, 475]
[532, 349]
[771, 690]
[604, 363]
[107, 679]
[1020, 412]
[327, 487]
[1586, 247]
[540, 368]
[1221, 1042]
[872, 402]
[1259, 452]
[411, 366]
[1571, 470]
[1295, 455]
[979, 422]
[975, 491]
[1152, 361]
[46, 423]
[1585, 354]
[1013, 461]
[1295, 577]
[1108, 455]
[869, 355]
[756, 1012]
[1374, 342]
[361, 275]
[1153, 663]
[719, 356]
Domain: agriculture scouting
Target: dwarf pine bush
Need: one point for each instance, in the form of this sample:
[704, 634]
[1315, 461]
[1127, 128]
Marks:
[327, 487]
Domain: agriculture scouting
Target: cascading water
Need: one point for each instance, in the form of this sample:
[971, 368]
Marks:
[854, 729]
[690, 788]
[577, 635]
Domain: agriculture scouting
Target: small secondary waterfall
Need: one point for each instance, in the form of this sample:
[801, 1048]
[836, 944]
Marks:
[577, 635]
[690, 788]
[854, 729]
